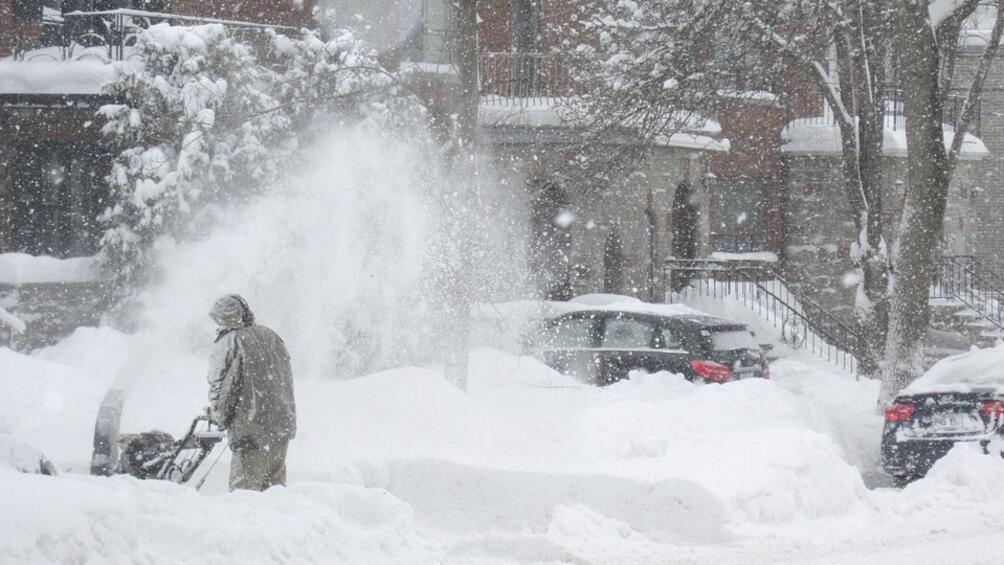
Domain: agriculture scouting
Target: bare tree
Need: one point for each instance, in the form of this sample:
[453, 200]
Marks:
[924, 31]
[849, 68]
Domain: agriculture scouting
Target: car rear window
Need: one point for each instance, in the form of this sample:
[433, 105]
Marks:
[733, 339]
[627, 333]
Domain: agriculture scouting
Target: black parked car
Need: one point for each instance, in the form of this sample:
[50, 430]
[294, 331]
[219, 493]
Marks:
[960, 399]
[603, 346]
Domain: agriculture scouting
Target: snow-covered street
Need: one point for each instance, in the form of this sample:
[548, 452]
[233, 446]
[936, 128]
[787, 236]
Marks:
[529, 467]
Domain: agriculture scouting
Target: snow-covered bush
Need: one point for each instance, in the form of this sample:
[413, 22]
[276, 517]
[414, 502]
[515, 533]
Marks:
[209, 118]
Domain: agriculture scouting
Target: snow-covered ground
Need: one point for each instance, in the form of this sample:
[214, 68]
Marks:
[529, 467]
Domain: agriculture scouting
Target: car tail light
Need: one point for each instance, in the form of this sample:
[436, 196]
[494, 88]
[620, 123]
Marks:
[766, 371]
[709, 370]
[992, 410]
[899, 412]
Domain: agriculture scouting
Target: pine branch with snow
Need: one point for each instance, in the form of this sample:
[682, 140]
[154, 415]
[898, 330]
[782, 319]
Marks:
[210, 119]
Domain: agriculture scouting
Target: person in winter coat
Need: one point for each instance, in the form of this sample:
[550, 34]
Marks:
[251, 395]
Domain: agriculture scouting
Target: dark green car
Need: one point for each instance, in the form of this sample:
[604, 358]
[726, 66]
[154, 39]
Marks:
[604, 346]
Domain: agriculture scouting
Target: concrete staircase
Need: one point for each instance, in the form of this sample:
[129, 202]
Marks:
[967, 307]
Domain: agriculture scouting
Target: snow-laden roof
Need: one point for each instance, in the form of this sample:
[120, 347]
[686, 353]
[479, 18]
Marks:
[21, 268]
[978, 369]
[698, 132]
[48, 76]
[801, 138]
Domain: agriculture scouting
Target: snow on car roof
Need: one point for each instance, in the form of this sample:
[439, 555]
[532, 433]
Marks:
[977, 369]
[635, 306]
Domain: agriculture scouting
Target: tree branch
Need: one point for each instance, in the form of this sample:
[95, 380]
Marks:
[975, 90]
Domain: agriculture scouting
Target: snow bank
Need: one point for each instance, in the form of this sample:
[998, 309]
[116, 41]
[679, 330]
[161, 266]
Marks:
[21, 268]
[49, 406]
[22, 457]
[76, 519]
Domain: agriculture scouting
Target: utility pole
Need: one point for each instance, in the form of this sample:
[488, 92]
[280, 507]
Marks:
[458, 294]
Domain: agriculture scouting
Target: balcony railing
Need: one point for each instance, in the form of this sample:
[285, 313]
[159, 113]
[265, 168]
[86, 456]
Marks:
[109, 34]
[524, 78]
[895, 115]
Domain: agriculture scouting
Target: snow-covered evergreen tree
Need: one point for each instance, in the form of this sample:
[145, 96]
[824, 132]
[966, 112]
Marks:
[208, 118]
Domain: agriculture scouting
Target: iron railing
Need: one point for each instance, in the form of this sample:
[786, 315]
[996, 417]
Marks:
[108, 35]
[963, 278]
[524, 78]
[758, 287]
[895, 115]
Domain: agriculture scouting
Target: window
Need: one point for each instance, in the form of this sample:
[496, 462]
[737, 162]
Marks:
[627, 333]
[666, 338]
[56, 193]
[739, 208]
[571, 333]
[731, 340]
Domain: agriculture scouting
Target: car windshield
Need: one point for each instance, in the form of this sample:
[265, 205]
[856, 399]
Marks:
[733, 339]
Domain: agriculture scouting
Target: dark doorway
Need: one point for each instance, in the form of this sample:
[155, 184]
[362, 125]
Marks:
[685, 223]
[551, 220]
[613, 263]
[646, 254]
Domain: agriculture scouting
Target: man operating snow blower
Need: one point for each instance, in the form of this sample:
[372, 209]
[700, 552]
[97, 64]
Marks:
[251, 395]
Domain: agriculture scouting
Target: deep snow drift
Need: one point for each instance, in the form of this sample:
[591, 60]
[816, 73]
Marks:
[529, 467]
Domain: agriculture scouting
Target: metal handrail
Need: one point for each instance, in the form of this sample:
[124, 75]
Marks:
[756, 269]
[963, 278]
[760, 287]
[116, 29]
[524, 78]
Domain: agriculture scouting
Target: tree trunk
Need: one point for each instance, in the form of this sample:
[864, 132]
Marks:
[927, 193]
[861, 150]
[456, 287]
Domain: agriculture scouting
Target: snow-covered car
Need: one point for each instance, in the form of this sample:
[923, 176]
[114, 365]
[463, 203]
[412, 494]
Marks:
[604, 346]
[960, 399]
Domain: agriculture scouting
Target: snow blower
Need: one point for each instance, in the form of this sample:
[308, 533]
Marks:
[154, 454]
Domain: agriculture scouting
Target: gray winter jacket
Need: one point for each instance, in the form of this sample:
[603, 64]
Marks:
[250, 380]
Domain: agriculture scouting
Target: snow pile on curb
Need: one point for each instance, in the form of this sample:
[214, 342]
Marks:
[121, 520]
